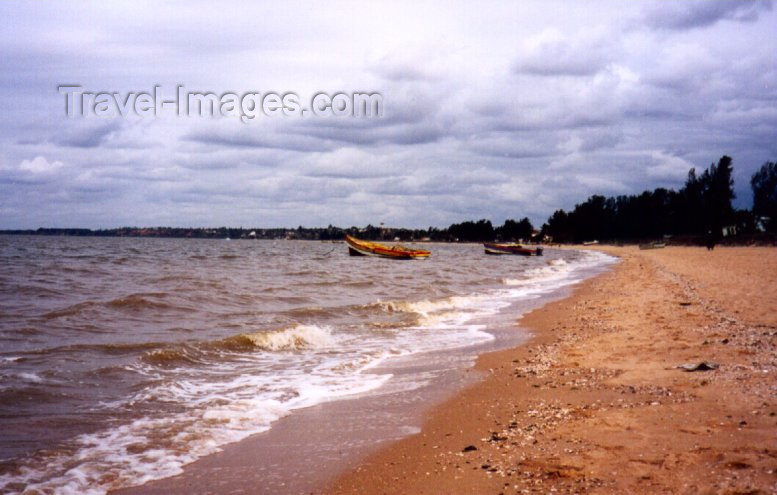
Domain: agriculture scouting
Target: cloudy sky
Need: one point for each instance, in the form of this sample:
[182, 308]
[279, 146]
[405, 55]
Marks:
[491, 109]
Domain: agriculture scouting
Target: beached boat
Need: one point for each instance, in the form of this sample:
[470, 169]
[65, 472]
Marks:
[511, 248]
[357, 247]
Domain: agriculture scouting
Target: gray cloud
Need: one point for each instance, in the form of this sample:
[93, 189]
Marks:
[247, 137]
[87, 135]
[702, 13]
[552, 53]
[502, 111]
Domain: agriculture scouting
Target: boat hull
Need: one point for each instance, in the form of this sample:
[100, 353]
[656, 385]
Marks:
[355, 252]
[515, 249]
[357, 247]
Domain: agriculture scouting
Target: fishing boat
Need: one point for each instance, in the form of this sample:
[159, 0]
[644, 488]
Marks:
[357, 247]
[511, 248]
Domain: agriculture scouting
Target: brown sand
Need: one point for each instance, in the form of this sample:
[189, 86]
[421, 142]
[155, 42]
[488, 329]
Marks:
[595, 402]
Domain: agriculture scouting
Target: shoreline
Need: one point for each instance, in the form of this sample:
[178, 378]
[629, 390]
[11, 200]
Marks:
[595, 403]
[305, 450]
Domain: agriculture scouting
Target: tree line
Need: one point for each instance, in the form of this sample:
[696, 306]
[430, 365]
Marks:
[700, 209]
[699, 212]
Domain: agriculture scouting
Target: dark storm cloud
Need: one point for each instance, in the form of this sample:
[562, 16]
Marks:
[702, 13]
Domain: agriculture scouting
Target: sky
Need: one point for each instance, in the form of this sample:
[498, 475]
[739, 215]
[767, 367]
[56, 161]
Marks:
[490, 110]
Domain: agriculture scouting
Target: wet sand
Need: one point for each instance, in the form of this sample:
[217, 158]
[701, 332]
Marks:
[596, 403]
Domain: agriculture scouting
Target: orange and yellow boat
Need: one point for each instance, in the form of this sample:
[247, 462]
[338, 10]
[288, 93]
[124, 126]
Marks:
[357, 247]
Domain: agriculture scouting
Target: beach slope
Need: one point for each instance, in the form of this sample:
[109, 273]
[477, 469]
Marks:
[599, 401]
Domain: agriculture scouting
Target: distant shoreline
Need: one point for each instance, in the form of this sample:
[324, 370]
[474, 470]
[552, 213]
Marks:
[338, 234]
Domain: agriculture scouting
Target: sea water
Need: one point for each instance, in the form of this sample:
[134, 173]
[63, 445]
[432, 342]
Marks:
[124, 359]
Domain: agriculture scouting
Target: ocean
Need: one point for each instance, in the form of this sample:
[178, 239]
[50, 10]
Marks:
[124, 359]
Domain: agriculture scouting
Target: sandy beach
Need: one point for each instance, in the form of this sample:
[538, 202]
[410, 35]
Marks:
[597, 401]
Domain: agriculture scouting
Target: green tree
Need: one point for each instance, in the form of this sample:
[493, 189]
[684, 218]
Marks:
[690, 206]
[718, 193]
[764, 185]
[470, 231]
[512, 230]
[558, 227]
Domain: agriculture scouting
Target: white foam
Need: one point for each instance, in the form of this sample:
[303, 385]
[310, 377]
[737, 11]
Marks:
[217, 414]
[298, 337]
[558, 273]
[30, 377]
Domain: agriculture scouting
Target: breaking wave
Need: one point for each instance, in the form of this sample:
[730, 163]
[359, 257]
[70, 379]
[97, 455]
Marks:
[173, 357]
[296, 338]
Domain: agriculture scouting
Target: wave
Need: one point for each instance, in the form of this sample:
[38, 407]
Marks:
[30, 377]
[296, 338]
[133, 302]
[107, 348]
[173, 357]
[71, 310]
[314, 312]
[553, 269]
[26, 394]
[429, 310]
[138, 301]
[167, 355]
[150, 447]
[296, 299]
[40, 290]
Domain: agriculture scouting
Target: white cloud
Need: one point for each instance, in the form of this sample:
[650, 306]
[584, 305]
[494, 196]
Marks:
[668, 167]
[39, 165]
